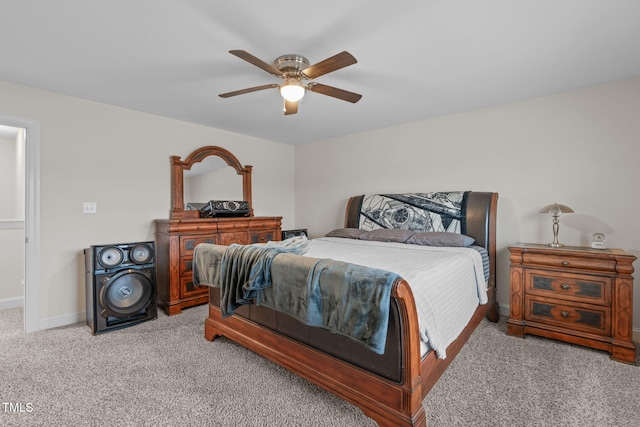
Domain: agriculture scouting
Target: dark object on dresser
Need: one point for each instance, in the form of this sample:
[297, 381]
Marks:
[224, 208]
[287, 234]
[575, 294]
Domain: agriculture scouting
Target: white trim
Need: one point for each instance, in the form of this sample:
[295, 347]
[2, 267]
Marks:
[64, 320]
[11, 224]
[504, 310]
[11, 303]
[32, 219]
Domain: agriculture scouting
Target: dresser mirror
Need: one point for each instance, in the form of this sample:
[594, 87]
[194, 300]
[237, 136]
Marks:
[211, 177]
[209, 173]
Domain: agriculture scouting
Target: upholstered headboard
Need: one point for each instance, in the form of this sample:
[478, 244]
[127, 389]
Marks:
[466, 212]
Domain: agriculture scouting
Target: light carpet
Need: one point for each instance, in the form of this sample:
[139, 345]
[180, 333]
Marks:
[164, 373]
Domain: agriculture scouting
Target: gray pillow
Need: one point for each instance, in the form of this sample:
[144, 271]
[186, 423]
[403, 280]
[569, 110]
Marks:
[387, 235]
[439, 238]
[347, 233]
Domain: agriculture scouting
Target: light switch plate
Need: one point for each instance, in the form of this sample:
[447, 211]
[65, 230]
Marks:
[89, 207]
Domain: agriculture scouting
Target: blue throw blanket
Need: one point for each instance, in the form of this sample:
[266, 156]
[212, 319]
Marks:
[246, 269]
[348, 299]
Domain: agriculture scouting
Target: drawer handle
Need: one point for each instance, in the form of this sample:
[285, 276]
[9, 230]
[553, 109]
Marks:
[564, 314]
[565, 286]
[565, 262]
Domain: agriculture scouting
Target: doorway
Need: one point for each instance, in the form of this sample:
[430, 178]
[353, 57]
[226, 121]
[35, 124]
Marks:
[31, 217]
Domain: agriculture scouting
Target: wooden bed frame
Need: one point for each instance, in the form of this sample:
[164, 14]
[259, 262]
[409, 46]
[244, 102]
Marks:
[389, 403]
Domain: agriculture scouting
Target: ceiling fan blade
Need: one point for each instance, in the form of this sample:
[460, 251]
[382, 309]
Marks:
[290, 107]
[341, 60]
[247, 90]
[257, 62]
[342, 94]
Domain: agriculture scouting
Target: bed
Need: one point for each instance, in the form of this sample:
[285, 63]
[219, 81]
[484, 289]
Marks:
[388, 385]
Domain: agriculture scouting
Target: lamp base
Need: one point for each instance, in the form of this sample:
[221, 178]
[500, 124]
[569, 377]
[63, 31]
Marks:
[555, 245]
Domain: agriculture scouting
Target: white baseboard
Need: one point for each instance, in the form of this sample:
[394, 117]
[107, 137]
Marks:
[64, 320]
[504, 310]
[11, 303]
[635, 333]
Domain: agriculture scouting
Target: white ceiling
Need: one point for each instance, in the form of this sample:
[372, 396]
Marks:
[417, 59]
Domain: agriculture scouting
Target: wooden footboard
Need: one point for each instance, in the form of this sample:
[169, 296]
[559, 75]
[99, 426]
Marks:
[388, 403]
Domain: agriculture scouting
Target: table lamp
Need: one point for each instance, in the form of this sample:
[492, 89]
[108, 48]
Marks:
[555, 210]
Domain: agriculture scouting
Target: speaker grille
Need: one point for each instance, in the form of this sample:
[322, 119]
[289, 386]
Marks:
[141, 254]
[110, 257]
[126, 293]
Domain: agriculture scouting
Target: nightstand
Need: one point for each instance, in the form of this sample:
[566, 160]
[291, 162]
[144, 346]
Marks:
[574, 294]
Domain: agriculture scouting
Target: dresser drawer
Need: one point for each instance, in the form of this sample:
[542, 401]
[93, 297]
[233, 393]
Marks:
[262, 236]
[188, 289]
[186, 266]
[189, 243]
[579, 317]
[569, 261]
[239, 237]
[569, 286]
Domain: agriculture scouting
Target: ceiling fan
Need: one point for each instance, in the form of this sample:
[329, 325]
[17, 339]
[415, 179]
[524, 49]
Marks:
[293, 69]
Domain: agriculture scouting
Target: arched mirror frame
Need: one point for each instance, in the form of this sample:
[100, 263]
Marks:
[178, 167]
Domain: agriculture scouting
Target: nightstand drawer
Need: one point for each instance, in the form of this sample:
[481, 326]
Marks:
[570, 261]
[589, 289]
[580, 317]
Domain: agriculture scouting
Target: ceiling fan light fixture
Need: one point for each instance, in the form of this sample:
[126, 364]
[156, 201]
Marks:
[294, 69]
[292, 90]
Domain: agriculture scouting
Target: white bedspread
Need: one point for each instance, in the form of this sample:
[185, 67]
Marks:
[447, 283]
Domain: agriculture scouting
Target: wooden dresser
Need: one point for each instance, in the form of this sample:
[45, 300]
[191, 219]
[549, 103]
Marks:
[579, 295]
[177, 238]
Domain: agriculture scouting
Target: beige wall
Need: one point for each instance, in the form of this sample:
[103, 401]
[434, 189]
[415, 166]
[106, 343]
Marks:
[579, 148]
[119, 159]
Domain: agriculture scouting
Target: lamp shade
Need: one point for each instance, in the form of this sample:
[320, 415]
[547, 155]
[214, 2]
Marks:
[292, 90]
[556, 209]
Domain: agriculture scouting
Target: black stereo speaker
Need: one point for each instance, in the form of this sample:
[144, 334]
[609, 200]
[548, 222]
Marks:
[220, 208]
[120, 285]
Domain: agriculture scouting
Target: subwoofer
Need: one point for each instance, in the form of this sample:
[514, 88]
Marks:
[120, 285]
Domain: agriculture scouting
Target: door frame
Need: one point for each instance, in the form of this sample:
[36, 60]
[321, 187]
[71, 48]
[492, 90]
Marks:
[31, 219]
